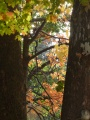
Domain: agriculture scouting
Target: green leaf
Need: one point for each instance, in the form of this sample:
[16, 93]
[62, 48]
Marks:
[28, 18]
[18, 37]
[60, 86]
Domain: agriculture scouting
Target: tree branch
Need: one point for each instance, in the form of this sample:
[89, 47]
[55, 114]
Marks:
[37, 32]
[52, 35]
[40, 52]
[38, 19]
[34, 71]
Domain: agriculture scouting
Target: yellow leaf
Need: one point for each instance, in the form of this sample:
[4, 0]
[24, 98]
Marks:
[41, 13]
[53, 18]
[67, 33]
[62, 8]
[68, 11]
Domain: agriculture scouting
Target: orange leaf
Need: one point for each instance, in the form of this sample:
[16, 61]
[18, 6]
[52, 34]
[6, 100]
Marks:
[10, 14]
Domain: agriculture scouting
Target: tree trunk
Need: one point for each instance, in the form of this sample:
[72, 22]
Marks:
[76, 101]
[12, 84]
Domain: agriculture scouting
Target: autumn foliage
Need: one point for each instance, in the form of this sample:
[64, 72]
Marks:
[47, 91]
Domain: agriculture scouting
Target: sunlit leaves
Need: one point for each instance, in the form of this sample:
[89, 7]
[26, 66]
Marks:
[52, 18]
[61, 52]
[21, 12]
[50, 8]
[18, 37]
[54, 75]
[62, 8]
[13, 3]
[67, 33]
[13, 19]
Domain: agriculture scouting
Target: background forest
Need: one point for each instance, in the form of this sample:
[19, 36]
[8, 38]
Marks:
[49, 36]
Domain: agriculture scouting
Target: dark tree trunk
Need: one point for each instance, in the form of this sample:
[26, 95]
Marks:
[25, 58]
[76, 102]
[12, 84]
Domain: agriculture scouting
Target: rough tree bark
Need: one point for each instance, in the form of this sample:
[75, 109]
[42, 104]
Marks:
[76, 102]
[12, 83]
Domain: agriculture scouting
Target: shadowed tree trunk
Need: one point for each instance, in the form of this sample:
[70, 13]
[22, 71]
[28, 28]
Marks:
[76, 102]
[12, 83]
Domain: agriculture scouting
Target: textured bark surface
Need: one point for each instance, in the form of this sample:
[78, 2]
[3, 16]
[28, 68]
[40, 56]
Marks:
[12, 85]
[77, 85]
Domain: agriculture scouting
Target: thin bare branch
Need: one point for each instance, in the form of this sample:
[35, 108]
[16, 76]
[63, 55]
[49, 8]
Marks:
[37, 32]
[40, 52]
[34, 71]
[53, 36]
